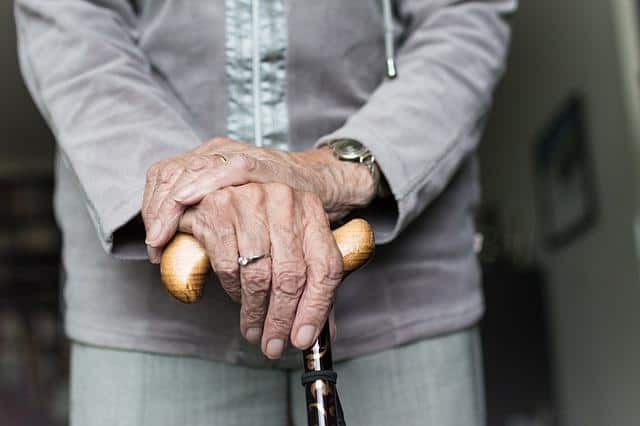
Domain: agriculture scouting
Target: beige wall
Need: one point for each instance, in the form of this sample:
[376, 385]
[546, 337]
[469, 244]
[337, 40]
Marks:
[559, 46]
[25, 142]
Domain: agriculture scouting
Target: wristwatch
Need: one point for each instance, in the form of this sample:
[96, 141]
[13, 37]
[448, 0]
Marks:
[354, 151]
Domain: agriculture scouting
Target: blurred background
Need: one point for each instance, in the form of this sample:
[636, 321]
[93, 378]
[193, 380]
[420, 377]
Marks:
[560, 173]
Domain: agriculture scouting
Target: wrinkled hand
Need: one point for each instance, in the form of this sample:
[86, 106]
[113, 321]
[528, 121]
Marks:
[285, 296]
[179, 182]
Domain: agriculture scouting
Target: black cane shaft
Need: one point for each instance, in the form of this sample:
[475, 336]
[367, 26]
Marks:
[322, 403]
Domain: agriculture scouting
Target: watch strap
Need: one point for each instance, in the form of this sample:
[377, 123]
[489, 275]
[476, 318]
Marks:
[359, 154]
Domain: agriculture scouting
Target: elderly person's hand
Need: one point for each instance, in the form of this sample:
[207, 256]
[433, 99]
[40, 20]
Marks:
[289, 294]
[179, 182]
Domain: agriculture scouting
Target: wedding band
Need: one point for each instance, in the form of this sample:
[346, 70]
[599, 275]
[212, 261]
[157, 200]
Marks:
[221, 157]
[244, 260]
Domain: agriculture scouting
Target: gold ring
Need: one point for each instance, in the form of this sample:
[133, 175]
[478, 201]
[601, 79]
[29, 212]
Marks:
[221, 157]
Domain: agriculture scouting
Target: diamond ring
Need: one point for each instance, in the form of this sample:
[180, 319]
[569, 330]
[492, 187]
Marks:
[244, 260]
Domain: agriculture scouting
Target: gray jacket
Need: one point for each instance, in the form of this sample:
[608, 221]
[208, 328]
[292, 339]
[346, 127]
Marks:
[124, 84]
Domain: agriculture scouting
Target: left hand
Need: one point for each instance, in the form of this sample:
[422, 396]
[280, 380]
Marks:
[179, 182]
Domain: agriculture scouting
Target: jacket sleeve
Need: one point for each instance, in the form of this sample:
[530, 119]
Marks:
[110, 113]
[421, 125]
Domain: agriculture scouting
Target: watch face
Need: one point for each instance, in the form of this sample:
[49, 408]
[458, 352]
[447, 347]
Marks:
[349, 149]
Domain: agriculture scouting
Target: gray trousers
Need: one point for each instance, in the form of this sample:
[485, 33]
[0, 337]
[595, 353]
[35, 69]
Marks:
[436, 382]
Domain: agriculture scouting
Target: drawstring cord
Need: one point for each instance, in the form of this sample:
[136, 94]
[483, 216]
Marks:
[392, 71]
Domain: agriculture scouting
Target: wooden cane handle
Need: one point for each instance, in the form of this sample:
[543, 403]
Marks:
[185, 265]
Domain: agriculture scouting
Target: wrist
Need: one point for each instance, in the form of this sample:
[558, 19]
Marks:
[341, 185]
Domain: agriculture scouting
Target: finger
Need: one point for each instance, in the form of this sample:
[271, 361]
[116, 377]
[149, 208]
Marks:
[332, 325]
[255, 278]
[324, 273]
[149, 187]
[157, 178]
[240, 169]
[154, 254]
[187, 221]
[212, 224]
[169, 210]
[288, 268]
[201, 178]
[167, 176]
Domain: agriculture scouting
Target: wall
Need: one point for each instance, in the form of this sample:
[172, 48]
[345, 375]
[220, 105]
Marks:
[25, 142]
[559, 46]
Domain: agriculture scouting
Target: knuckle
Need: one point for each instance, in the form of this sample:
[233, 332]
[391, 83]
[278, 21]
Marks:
[323, 274]
[327, 284]
[256, 280]
[280, 324]
[245, 162]
[255, 292]
[197, 163]
[169, 171]
[253, 315]
[288, 281]
[324, 285]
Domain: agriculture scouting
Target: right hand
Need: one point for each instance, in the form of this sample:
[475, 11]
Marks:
[284, 297]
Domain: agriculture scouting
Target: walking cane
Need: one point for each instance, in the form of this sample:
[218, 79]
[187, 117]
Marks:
[185, 266]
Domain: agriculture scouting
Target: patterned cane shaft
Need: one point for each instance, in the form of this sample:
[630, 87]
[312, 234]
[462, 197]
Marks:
[322, 405]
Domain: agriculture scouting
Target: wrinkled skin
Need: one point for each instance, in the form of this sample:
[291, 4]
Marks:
[261, 201]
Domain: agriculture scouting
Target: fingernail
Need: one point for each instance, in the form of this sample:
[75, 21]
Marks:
[185, 193]
[254, 334]
[305, 336]
[154, 231]
[274, 348]
[150, 254]
[154, 254]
